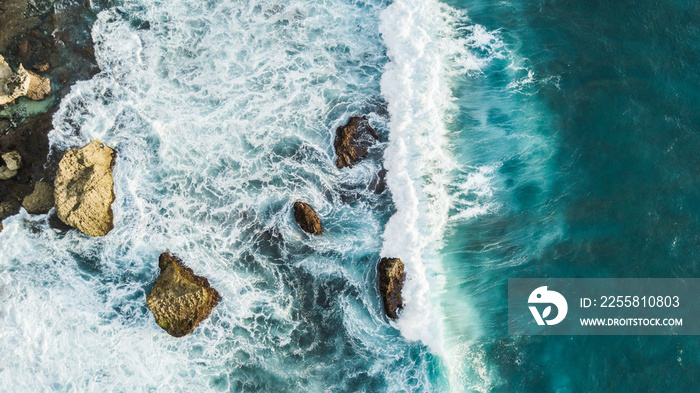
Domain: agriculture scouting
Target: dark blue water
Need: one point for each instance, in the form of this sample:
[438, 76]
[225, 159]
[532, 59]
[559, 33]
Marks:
[597, 176]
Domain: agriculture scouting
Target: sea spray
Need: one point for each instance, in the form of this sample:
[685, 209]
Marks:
[222, 115]
[433, 48]
[428, 44]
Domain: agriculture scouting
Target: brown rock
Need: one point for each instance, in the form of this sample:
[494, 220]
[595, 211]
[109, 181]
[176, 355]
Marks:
[41, 67]
[23, 49]
[13, 160]
[85, 189]
[352, 141]
[7, 173]
[40, 201]
[391, 278]
[14, 21]
[23, 83]
[37, 87]
[307, 218]
[8, 208]
[180, 300]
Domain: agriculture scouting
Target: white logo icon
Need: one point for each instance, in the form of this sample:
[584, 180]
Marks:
[542, 295]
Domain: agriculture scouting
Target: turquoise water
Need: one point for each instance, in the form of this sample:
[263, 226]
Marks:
[521, 139]
[591, 125]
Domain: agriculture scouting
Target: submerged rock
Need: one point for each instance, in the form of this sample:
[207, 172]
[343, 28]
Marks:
[23, 83]
[41, 67]
[391, 277]
[378, 183]
[307, 218]
[85, 189]
[180, 300]
[352, 141]
[7, 208]
[40, 201]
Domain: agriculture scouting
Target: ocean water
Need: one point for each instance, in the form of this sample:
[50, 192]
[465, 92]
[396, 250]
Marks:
[520, 139]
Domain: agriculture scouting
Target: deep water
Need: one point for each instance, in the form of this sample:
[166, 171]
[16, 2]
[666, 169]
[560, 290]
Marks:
[520, 138]
[590, 128]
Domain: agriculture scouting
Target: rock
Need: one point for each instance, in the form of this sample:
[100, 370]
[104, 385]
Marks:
[7, 173]
[8, 208]
[352, 141]
[23, 49]
[13, 160]
[378, 183]
[37, 87]
[40, 201]
[307, 218]
[5, 71]
[28, 35]
[391, 277]
[15, 20]
[180, 300]
[23, 83]
[30, 140]
[85, 188]
[41, 67]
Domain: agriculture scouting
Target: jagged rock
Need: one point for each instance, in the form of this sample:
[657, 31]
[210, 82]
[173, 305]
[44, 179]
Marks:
[391, 277]
[37, 87]
[7, 173]
[50, 37]
[180, 300]
[352, 141]
[307, 218]
[85, 188]
[23, 83]
[8, 208]
[40, 201]
[13, 160]
[41, 67]
[5, 72]
[378, 183]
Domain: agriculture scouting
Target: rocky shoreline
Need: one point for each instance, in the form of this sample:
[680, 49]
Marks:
[46, 50]
[43, 51]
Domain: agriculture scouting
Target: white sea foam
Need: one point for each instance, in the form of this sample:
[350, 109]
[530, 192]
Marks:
[428, 44]
[431, 46]
[222, 114]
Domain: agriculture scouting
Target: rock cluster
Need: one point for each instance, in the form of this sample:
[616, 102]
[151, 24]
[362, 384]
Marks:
[391, 278]
[307, 218]
[180, 300]
[352, 141]
[55, 42]
[23, 83]
[84, 189]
